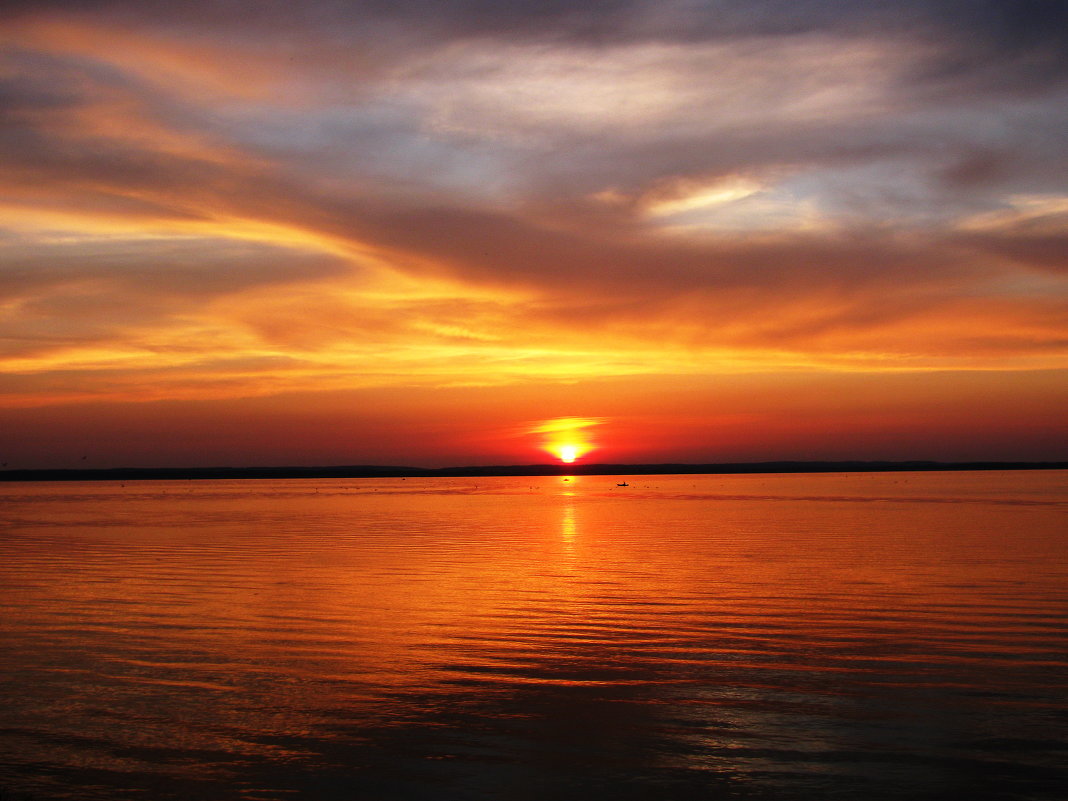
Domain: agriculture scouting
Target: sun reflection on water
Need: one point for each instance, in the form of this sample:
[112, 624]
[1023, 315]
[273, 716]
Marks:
[568, 527]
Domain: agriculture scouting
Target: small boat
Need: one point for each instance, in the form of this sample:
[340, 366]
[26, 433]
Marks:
[624, 484]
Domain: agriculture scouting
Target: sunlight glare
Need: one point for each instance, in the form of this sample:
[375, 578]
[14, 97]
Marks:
[567, 453]
[566, 438]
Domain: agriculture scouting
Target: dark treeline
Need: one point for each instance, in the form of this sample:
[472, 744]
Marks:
[385, 471]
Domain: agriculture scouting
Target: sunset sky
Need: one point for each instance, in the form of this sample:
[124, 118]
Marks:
[426, 232]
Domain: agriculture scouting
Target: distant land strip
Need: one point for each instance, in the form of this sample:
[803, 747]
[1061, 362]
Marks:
[386, 471]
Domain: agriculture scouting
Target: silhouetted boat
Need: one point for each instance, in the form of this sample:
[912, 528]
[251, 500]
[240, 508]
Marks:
[624, 484]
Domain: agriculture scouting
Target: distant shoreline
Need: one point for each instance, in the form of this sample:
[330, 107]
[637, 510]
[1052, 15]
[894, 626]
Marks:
[385, 471]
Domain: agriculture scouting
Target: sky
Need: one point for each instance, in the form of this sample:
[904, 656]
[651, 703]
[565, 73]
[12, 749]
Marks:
[455, 232]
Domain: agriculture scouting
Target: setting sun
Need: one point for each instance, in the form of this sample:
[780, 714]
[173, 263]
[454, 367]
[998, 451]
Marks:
[566, 438]
[567, 453]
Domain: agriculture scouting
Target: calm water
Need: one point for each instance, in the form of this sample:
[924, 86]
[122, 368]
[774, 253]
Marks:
[839, 636]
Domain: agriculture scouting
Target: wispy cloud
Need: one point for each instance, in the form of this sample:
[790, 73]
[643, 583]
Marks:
[447, 194]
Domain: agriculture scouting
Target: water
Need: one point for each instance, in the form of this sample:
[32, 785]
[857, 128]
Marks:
[777, 637]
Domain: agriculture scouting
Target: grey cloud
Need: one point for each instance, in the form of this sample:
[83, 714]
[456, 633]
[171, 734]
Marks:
[499, 247]
[61, 294]
[1020, 46]
[192, 268]
[980, 30]
[1044, 251]
[41, 140]
[379, 144]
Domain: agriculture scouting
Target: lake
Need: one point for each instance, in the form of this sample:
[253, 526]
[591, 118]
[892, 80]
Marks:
[772, 637]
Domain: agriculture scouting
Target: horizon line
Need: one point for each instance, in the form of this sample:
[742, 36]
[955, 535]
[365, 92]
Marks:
[537, 469]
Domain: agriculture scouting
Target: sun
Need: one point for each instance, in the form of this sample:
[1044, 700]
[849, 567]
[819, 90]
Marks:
[566, 438]
[567, 453]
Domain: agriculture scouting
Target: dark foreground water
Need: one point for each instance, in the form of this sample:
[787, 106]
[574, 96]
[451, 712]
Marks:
[848, 636]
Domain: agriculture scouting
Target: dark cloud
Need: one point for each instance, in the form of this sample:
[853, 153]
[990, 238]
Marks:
[196, 268]
[1044, 251]
[994, 27]
[47, 136]
[1030, 34]
[496, 246]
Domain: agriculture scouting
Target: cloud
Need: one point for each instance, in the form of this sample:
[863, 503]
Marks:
[563, 425]
[459, 193]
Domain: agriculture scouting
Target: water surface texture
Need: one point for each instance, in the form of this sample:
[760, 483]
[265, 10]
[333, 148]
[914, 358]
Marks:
[833, 636]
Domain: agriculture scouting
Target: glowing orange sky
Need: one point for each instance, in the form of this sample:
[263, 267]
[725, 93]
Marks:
[417, 235]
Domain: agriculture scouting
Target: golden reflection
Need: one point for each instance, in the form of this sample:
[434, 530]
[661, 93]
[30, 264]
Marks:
[568, 527]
